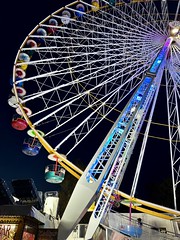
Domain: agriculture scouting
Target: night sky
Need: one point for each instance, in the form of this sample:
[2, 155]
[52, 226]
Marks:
[18, 18]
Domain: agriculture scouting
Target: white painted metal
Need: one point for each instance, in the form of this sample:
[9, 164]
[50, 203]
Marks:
[79, 76]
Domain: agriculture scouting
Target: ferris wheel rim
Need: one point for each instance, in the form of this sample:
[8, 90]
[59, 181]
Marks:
[49, 17]
[48, 147]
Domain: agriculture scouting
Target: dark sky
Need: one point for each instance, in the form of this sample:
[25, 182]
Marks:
[18, 18]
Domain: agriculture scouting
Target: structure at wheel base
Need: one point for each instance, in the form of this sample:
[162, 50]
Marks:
[28, 218]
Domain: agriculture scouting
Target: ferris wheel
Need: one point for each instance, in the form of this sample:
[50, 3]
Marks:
[77, 69]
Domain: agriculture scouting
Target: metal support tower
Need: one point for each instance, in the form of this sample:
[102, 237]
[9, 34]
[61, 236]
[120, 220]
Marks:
[111, 159]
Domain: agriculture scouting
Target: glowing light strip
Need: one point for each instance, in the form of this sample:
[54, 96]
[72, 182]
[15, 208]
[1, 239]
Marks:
[156, 64]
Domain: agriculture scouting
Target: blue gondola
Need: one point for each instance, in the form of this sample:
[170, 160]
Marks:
[18, 84]
[31, 146]
[132, 231]
[41, 32]
[80, 10]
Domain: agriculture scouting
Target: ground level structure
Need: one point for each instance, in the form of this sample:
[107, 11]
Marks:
[28, 223]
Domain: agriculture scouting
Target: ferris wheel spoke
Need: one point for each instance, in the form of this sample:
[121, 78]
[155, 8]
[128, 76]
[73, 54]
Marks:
[173, 99]
[80, 66]
[165, 15]
[64, 105]
[89, 102]
[81, 135]
[137, 18]
[89, 63]
[79, 79]
[174, 64]
[177, 11]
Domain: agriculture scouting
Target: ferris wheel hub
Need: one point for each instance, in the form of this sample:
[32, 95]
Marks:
[174, 28]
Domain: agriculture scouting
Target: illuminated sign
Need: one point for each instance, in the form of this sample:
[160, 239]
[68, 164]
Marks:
[28, 236]
[7, 231]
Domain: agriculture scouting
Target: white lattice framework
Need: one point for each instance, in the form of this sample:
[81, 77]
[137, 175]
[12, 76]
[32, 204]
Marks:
[81, 73]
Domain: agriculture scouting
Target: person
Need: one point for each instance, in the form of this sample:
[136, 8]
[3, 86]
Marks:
[139, 222]
[139, 228]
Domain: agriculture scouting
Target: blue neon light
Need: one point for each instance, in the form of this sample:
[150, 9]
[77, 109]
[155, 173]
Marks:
[114, 136]
[156, 64]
